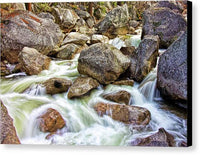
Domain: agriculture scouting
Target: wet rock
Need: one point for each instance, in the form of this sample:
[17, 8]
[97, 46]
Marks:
[81, 86]
[51, 121]
[97, 38]
[165, 23]
[124, 113]
[46, 15]
[76, 38]
[115, 22]
[147, 54]
[124, 82]
[57, 85]
[8, 133]
[33, 62]
[67, 52]
[103, 62]
[66, 18]
[172, 70]
[161, 138]
[127, 50]
[119, 97]
[21, 29]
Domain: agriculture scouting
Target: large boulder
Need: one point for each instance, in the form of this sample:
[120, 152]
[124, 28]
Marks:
[163, 22]
[8, 133]
[81, 86]
[121, 96]
[161, 138]
[23, 28]
[115, 22]
[172, 70]
[124, 113]
[32, 62]
[103, 62]
[66, 18]
[57, 85]
[51, 121]
[97, 38]
[146, 60]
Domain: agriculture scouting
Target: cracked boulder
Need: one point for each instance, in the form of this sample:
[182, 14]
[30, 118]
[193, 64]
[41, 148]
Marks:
[21, 29]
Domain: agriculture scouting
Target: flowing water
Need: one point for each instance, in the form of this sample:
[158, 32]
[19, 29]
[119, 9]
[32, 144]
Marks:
[26, 100]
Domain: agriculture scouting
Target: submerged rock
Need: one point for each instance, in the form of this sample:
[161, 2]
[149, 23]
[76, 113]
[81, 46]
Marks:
[57, 85]
[76, 38]
[51, 121]
[165, 23]
[8, 133]
[115, 22]
[21, 29]
[81, 86]
[66, 18]
[103, 62]
[119, 97]
[147, 54]
[161, 138]
[172, 70]
[124, 113]
[32, 62]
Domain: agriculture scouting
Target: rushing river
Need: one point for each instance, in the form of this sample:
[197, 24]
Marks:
[26, 100]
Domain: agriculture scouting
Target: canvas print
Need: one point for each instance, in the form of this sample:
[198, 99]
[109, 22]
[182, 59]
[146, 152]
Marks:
[96, 73]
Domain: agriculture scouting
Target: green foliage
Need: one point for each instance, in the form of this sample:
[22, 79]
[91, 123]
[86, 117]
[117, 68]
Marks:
[42, 7]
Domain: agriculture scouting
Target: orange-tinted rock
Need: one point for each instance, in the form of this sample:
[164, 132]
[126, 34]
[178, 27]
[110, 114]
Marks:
[124, 113]
[57, 85]
[51, 121]
[119, 97]
[33, 62]
[8, 133]
[124, 82]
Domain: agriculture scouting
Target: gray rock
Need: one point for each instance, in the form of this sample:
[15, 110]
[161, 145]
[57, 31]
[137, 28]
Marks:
[165, 23]
[103, 62]
[66, 18]
[97, 38]
[67, 52]
[161, 138]
[76, 38]
[172, 70]
[115, 22]
[46, 15]
[81, 86]
[147, 54]
[23, 28]
[32, 62]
